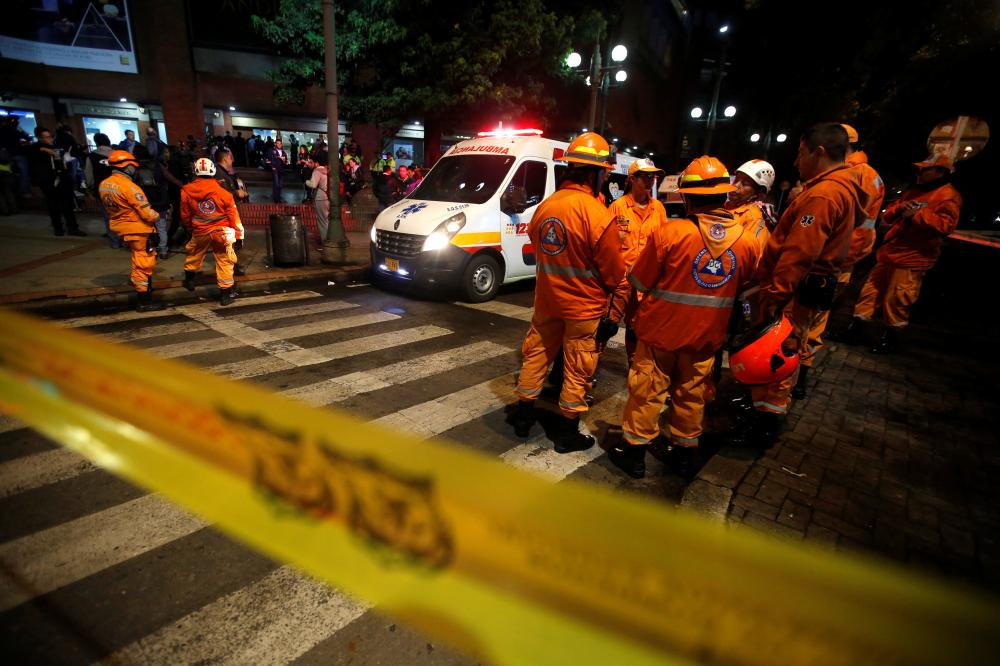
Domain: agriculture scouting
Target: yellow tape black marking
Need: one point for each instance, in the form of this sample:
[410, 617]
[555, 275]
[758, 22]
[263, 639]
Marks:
[499, 562]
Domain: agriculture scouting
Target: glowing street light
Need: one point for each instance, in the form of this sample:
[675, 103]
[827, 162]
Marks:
[621, 75]
[755, 137]
[723, 29]
[696, 112]
[619, 53]
[729, 111]
[781, 138]
[573, 60]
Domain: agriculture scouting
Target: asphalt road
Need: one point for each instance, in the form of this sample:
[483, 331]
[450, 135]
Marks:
[94, 569]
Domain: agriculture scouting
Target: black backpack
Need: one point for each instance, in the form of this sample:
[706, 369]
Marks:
[101, 171]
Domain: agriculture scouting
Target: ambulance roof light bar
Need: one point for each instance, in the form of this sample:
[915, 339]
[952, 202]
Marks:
[502, 131]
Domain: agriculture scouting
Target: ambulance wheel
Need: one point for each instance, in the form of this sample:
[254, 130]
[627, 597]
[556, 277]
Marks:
[481, 279]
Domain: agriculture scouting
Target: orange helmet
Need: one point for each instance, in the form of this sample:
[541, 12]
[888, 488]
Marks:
[852, 134]
[756, 357]
[119, 159]
[590, 149]
[705, 175]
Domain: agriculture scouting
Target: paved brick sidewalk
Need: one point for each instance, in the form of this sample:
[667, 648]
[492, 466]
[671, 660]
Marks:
[895, 455]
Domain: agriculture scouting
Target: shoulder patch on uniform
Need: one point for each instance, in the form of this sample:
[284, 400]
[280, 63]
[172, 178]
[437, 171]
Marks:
[140, 197]
[552, 235]
[806, 220]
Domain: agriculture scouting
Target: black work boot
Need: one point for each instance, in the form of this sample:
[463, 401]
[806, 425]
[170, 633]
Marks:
[764, 429]
[569, 438]
[226, 296]
[684, 460]
[629, 458]
[852, 335]
[523, 417]
[799, 391]
[189, 278]
[144, 302]
[888, 343]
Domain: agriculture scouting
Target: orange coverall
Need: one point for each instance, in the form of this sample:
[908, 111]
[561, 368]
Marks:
[635, 225]
[690, 273]
[579, 266]
[132, 218]
[812, 238]
[862, 243]
[210, 212]
[912, 246]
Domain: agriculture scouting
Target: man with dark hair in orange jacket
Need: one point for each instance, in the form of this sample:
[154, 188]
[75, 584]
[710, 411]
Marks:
[580, 269]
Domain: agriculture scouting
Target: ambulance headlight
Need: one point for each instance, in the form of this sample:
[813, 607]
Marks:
[442, 235]
[374, 235]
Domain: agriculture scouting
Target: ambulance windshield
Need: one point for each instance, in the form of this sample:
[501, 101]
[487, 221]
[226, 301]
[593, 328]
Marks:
[464, 178]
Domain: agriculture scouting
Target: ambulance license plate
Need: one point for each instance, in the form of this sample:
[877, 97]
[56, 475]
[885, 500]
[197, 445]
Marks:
[392, 264]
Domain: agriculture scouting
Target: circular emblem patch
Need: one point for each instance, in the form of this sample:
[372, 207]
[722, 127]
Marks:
[717, 231]
[206, 206]
[712, 273]
[553, 236]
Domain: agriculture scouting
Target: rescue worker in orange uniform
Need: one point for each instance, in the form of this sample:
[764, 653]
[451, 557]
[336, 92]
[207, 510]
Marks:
[133, 219]
[798, 270]
[753, 181]
[638, 213]
[209, 212]
[862, 243]
[579, 294]
[690, 272]
[920, 219]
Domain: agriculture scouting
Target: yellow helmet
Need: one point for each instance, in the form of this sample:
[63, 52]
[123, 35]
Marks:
[591, 149]
[852, 134]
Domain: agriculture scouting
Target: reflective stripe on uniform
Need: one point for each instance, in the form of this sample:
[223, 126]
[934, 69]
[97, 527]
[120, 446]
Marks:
[868, 224]
[635, 439]
[634, 281]
[198, 218]
[525, 392]
[702, 300]
[566, 271]
[571, 405]
[684, 441]
[766, 405]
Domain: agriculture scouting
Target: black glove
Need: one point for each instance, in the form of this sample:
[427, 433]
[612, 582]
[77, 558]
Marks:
[605, 330]
[238, 245]
[152, 242]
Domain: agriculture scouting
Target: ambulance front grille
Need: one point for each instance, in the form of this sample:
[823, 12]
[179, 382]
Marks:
[397, 244]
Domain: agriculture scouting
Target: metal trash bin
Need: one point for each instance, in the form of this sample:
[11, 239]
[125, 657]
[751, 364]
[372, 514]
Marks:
[287, 242]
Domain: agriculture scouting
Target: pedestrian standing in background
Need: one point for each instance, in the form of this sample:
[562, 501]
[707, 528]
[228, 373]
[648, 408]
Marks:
[95, 170]
[49, 173]
[580, 291]
[293, 145]
[317, 183]
[277, 159]
[128, 143]
[921, 219]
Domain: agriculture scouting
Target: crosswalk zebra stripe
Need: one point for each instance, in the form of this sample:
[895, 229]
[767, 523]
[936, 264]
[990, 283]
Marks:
[55, 557]
[271, 621]
[341, 388]
[435, 416]
[295, 311]
[175, 349]
[155, 330]
[41, 469]
[502, 309]
[132, 315]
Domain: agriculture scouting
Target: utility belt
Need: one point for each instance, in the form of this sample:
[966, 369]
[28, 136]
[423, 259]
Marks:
[817, 291]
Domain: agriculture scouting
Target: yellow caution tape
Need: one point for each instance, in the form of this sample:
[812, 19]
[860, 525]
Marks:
[499, 562]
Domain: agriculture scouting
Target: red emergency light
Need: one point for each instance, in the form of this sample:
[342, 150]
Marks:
[503, 131]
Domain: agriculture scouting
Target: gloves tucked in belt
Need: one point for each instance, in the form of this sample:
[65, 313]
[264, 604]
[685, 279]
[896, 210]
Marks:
[238, 245]
[605, 330]
[152, 242]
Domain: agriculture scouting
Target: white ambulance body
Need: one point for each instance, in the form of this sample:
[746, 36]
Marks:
[466, 224]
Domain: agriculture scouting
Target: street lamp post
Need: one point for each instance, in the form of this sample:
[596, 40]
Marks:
[335, 244]
[599, 79]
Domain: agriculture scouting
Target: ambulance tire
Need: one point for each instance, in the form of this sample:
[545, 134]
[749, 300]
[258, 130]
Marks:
[481, 279]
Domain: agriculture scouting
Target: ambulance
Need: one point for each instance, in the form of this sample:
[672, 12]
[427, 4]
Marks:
[465, 227]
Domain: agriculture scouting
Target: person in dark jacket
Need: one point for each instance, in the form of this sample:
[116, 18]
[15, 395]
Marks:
[49, 173]
[277, 159]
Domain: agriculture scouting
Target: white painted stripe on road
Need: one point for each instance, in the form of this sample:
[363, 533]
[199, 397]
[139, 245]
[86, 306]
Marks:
[131, 315]
[175, 349]
[365, 345]
[341, 388]
[335, 324]
[155, 330]
[436, 416]
[255, 367]
[272, 621]
[502, 309]
[61, 555]
[41, 469]
[295, 311]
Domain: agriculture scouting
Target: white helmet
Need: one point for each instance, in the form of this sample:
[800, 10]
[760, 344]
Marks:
[206, 167]
[760, 172]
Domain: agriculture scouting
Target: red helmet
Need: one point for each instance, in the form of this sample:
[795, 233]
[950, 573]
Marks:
[756, 357]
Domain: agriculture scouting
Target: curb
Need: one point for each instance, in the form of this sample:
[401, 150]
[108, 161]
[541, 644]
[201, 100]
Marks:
[713, 487]
[173, 289]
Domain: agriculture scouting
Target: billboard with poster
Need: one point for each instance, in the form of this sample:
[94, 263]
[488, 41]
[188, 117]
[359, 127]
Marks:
[94, 34]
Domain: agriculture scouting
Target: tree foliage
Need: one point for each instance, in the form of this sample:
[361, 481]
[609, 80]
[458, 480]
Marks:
[397, 59]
